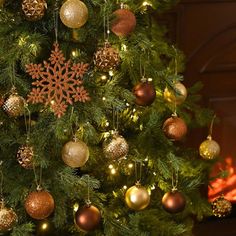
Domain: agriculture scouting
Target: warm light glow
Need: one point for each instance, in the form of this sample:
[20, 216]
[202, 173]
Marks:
[146, 159]
[131, 165]
[44, 226]
[76, 207]
[150, 79]
[125, 187]
[153, 187]
[111, 73]
[154, 173]
[104, 77]
[113, 171]
[110, 166]
[124, 47]
[22, 40]
[52, 102]
[103, 98]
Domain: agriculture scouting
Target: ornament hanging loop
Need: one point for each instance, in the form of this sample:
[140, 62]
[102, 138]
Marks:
[56, 10]
[88, 202]
[209, 137]
[175, 180]
[138, 172]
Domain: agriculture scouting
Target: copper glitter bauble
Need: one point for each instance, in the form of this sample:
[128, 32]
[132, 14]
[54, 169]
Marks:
[7, 218]
[173, 202]
[88, 218]
[177, 95]
[14, 105]
[209, 149]
[39, 204]
[124, 22]
[137, 197]
[145, 93]
[106, 58]
[34, 9]
[175, 128]
[115, 147]
[75, 153]
[221, 207]
[74, 13]
[25, 156]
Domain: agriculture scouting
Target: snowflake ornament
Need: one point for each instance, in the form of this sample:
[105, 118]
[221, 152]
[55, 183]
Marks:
[57, 82]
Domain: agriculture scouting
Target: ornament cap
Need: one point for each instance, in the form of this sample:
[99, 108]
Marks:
[39, 188]
[209, 137]
[144, 79]
[138, 184]
[88, 203]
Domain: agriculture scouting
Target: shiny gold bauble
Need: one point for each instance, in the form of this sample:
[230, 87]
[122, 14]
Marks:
[88, 218]
[177, 95]
[209, 149]
[39, 204]
[175, 128]
[75, 153]
[74, 13]
[14, 105]
[124, 22]
[115, 147]
[106, 58]
[221, 207]
[34, 9]
[25, 156]
[137, 197]
[7, 218]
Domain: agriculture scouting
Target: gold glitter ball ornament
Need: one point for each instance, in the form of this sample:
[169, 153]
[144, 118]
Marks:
[106, 58]
[14, 105]
[39, 204]
[75, 153]
[7, 218]
[177, 95]
[25, 156]
[137, 197]
[209, 149]
[74, 13]
[34, 9]
[115, 147]
[221, 207]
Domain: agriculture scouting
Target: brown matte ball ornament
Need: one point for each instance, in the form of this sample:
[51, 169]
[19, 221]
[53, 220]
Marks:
[39, 204]
[74, 14]
[124, 22]
[173, 202]
[88, 218]
[75, 153]
[177, 95]
[175, 128]
[145, 93]
[7, 218]
[106, 58]
[221, 207]
[137, 197]
[34, 9]
[209, 149]
[115, 147]
[25, 156]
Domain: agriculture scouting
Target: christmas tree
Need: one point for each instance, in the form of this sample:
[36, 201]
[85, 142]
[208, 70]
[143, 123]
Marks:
[94, 117]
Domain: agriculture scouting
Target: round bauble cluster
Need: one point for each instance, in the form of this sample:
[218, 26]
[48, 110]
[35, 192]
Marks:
[7, 218]
[137, 197]
[74, 13]
[34, 9]
[173, 202]
[25, 156]
[221, 207]
[75, 153]
[39, 204]
[88, 218]
[115, 147]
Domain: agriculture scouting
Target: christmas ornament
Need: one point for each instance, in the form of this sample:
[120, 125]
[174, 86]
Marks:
[25, 156]
[74, 13]
[88, 218]
[209, 149]
[145, 93]
[106, 58]
[7, 218]
[1, 101]
[15, 104]
[175, 128]
[75, 153]
[137, 197]
[39, 204]
[124, 22]
[177, 95]
[173, 202]
[115, 147]
[221, 207]
[58, 83]
[34, 9]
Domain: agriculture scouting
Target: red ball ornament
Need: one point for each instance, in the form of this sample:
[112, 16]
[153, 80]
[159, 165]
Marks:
[145, 93]
[88, 218]
[175, 128]
[124, 22]
[39, 204]
[173, 202]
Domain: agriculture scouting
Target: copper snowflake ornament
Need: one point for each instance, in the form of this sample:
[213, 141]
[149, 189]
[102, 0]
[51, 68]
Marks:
[57, 82]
